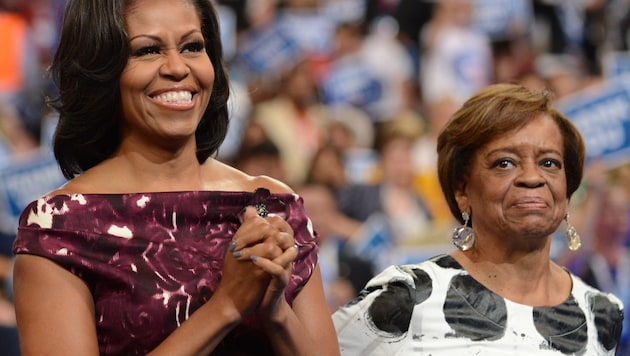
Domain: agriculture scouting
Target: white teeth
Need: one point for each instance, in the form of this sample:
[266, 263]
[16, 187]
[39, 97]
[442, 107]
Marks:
[175, 97]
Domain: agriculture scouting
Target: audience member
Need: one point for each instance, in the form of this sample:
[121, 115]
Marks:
[456, 59]
[261, 159]
[344, 274]
[603, 261]
[424, 153]
[327, 168]
[348, 79]
[294, 119]
[393, 212]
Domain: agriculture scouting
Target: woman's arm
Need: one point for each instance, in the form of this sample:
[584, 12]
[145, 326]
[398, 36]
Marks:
[54, 309]
[307, 329]
[55, 314]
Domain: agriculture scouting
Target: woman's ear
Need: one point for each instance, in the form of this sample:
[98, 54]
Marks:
[461, 196]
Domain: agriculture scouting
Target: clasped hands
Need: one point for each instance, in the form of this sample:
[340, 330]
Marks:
[258, 265]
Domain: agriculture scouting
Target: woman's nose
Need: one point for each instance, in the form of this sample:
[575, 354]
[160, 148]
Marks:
[174, 66]
[530, 176]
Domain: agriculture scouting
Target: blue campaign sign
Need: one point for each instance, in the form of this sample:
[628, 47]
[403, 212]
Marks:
[311, 32]
[602, 114]
[616, 64]
[500, 19]
[22, 181]
[351, 82]
[267, 52]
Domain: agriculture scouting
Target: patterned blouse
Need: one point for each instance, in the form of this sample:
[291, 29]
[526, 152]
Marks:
[151, 259]
[436, 308]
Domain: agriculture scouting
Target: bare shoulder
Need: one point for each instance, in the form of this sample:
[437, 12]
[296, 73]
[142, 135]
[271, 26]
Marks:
[76, 185]
[95, 180]
[221, 176]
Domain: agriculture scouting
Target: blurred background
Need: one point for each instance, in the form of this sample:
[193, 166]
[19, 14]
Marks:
[344, 100]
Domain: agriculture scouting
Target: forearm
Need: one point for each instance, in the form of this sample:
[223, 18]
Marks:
[203, 331]
[306, 327]
[287, 334]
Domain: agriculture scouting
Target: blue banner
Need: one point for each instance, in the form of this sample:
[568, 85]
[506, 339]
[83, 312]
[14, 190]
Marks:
[602, 114]
[616, 64]
[267, 52]
[22, 181]
[501, 19]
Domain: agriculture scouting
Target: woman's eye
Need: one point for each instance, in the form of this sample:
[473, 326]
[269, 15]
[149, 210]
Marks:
[550, 163]
[503, 163]
[193, 47]
[145, 51]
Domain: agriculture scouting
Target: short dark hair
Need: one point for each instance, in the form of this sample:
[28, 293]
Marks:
[491, 112]
[92, 53]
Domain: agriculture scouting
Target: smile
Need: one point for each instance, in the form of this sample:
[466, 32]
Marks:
[175, 97]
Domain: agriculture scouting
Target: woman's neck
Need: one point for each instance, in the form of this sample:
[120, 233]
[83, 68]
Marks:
[136, 171]
[529, 278]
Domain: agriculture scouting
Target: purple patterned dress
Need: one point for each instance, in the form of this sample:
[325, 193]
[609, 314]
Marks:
[151, 259]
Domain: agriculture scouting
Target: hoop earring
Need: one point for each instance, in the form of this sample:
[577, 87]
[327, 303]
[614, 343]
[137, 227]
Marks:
[463, 236]
[573, 238]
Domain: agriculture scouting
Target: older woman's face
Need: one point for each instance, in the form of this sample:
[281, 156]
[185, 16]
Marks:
[516, 190]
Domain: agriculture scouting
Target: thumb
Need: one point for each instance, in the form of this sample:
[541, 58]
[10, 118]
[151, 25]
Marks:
[249, 212]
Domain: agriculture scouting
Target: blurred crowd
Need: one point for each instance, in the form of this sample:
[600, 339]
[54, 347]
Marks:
[344, 100]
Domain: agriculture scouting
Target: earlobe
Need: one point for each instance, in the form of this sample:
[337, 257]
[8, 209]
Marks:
[462, 199]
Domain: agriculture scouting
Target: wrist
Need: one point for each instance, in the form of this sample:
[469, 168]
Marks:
[278, 316]
[226, 310]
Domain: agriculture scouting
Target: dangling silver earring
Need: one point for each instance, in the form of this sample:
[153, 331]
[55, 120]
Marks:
[573, 239]
[463, 236]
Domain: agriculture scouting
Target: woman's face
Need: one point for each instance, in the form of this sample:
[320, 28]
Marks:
[166, 84]
[516, 191]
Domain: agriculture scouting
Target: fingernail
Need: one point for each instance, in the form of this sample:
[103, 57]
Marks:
[232, 246]
[254, 258]
[237, 254]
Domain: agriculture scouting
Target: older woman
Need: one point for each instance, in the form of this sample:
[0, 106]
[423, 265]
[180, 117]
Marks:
[508, 164]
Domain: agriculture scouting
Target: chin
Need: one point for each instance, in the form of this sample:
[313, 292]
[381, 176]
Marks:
[537, 232]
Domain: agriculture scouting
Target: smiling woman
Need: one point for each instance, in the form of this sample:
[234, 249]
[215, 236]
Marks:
[153, 246]
[508, 163]
[166, 84]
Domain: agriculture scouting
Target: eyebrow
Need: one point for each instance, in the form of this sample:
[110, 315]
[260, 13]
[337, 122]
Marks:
[514, 149]
[157, 38]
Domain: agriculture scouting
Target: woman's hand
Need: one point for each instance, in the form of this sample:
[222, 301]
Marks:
[280, 270]
[244, 282]
[278, 252]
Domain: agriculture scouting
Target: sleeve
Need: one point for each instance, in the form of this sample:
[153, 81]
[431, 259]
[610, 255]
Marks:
[41, 233]
[306, 240]
[378, 319]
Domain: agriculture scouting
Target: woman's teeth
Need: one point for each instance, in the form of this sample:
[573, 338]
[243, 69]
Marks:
[175, 97]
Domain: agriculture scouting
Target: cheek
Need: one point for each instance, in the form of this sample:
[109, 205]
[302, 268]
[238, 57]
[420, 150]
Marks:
[205, 72]
[558, 188]
[133, 80]
[135, 76]
[488, 187]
